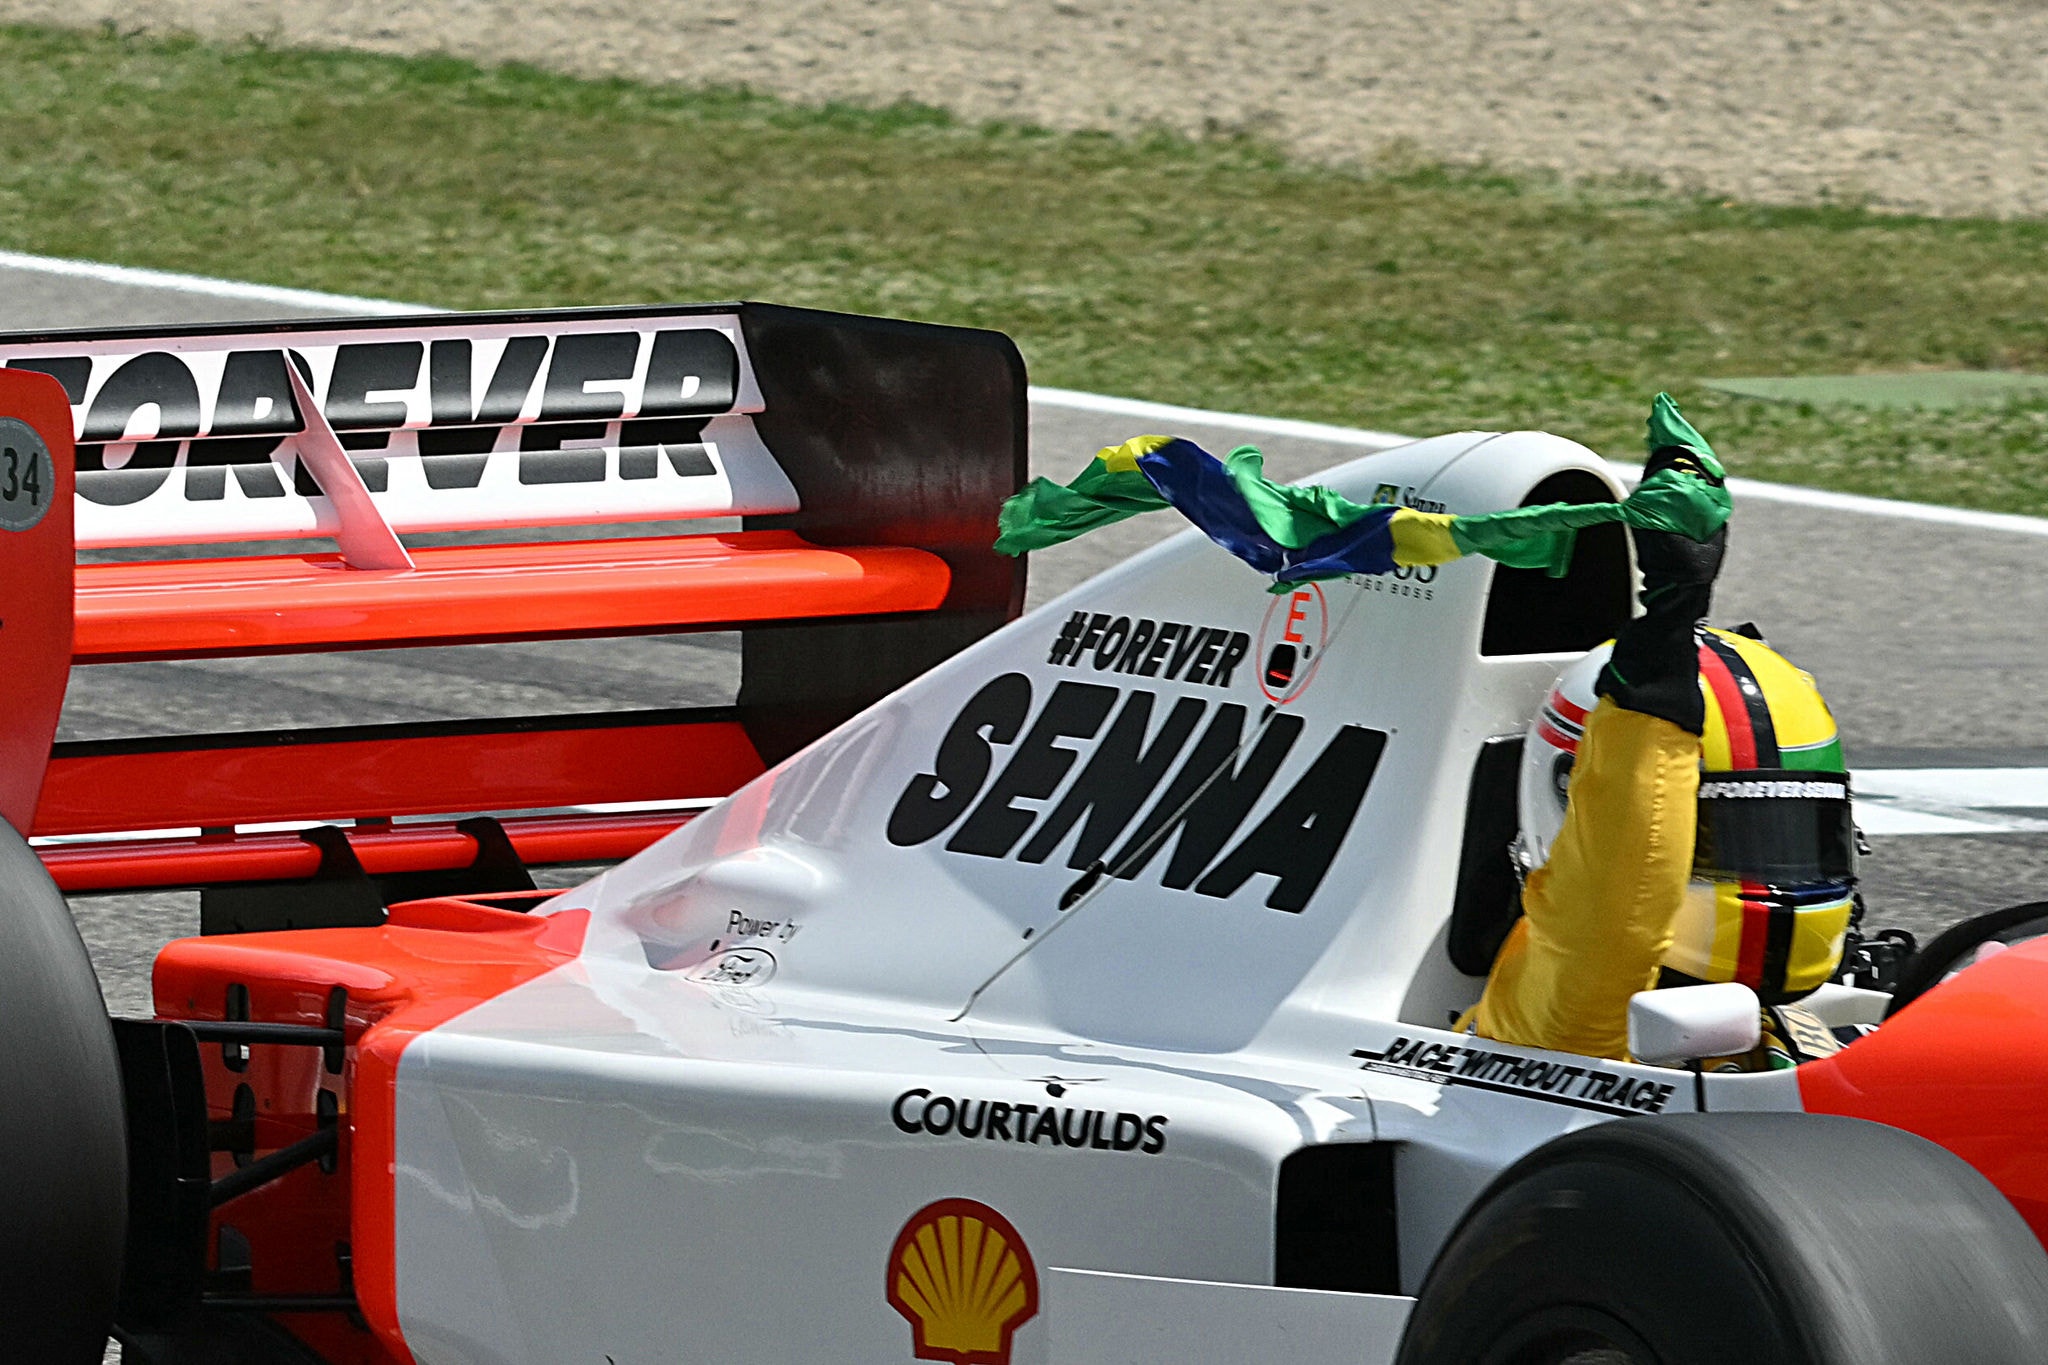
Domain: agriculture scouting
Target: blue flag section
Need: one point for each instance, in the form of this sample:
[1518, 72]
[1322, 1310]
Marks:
[1365, 546]
[1291, 533]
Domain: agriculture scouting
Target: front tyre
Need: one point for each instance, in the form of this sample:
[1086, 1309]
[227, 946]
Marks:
[63, 1133]
[1702, 1239]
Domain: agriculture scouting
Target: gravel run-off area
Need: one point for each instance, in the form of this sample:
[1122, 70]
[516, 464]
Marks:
[1924, 105]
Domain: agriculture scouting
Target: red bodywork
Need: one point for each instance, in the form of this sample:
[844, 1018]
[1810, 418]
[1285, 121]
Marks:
[429, 962]
[1965, 1066]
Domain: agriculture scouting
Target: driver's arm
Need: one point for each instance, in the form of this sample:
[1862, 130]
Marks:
[1596, 917]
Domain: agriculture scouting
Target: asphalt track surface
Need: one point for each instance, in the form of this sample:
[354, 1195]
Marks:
[1927, 640]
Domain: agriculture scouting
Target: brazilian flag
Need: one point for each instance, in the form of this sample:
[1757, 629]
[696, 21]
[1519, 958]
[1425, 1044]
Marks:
[1297, 532]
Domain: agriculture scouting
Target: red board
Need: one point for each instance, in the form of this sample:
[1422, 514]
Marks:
[214, 859]
[291, 604]
[220, 787]
[36, 469]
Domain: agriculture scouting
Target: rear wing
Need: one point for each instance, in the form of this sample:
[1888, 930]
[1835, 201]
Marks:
[863, 459]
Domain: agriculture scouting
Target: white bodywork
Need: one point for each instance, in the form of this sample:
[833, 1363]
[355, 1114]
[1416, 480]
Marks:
[700, 1140]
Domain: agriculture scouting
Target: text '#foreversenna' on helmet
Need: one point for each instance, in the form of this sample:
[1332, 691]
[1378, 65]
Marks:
[1774, 863]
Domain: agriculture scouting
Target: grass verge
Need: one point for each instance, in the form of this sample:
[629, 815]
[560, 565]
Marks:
[1213, 273]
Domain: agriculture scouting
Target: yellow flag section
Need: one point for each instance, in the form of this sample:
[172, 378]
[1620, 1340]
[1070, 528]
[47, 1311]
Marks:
[1423, 538]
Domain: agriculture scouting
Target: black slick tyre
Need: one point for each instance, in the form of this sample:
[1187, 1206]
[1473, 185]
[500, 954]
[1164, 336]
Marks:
[1769, 1239]
[63, 1135]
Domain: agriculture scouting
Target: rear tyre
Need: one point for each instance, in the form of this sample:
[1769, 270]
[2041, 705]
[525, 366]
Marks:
[63, 1135]
[1770, 1239]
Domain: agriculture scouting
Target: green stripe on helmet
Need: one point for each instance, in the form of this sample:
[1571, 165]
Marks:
[1825, 757]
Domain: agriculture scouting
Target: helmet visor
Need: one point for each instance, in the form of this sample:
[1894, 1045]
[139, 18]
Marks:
[1776, 826]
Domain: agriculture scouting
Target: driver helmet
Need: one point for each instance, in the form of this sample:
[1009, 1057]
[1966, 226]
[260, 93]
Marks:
[1774, 863]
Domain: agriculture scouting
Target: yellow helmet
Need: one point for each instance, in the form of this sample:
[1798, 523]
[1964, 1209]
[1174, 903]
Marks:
[1774, 865]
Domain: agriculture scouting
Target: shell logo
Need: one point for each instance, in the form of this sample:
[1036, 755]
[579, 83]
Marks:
[962, 1278]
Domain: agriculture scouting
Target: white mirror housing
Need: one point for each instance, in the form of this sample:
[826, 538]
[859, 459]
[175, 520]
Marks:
[1685, 1023]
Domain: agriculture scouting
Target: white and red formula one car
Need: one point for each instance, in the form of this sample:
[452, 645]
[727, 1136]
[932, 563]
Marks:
[1084, 998]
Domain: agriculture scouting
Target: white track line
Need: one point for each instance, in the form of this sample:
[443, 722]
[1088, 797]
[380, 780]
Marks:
[1952, 800]
[1975, 788]
[204, 284]
[1820, 498]
[1228, 421]
[1857, 504]
[1136, 408]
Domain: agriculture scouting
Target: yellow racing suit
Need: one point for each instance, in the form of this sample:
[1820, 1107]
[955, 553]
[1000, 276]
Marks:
[1596, 917]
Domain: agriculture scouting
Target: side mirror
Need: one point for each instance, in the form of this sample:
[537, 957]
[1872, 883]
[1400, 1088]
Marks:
[1685, 1023]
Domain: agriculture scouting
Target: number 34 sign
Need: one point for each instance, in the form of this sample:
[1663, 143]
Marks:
[27, 479]
[36, 568]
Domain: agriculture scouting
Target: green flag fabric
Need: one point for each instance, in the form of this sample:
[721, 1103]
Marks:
[1542, 537]
[1110, 489]
[1297, 532]
[1668, 427]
